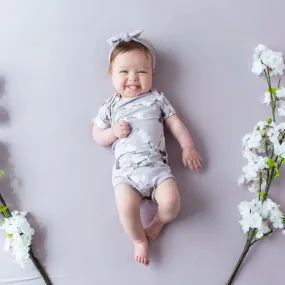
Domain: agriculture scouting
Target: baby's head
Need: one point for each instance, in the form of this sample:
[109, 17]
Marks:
[131, 66]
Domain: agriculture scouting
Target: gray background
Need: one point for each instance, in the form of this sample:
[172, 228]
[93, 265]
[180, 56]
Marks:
[54, 55]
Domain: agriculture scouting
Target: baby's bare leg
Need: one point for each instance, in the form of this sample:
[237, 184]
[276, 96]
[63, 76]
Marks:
[168, 200]
[128, 203]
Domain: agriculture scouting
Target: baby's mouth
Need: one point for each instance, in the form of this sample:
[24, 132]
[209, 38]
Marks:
[133, 87]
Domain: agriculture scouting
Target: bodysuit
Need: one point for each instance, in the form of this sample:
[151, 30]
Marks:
[141, 159]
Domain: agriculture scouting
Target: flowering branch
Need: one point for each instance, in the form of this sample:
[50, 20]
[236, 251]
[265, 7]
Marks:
[19, 237]
[264, 148]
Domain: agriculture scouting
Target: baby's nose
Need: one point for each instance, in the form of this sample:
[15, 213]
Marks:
[133, 77]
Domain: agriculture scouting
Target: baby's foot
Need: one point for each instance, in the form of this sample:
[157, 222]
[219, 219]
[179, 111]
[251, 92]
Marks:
[153, 229]
[141, 252]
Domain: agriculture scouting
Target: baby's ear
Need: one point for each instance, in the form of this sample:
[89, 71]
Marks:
[153, 73]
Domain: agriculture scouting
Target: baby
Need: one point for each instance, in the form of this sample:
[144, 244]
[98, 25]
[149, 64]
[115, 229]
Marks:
[132, 120]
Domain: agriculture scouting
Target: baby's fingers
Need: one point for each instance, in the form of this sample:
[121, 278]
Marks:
[190, 164]
[199, 162]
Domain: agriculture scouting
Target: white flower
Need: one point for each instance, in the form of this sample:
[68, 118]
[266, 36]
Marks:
[283, 232]
[253, 221]
[257, 51]
[249, 155]
[253, 168]
[249, 171]
[281, 108]
[262, 125]
[20, 236]
[280, 93]
[279, 149]
[257, 67]
[261, 163]
[254, 140]
[280, 127]
[267, 98]
[244, 208]
[257, 214]
[8, 244]
[264, 57]
[263, 230]
[273, 60]
[245, 139]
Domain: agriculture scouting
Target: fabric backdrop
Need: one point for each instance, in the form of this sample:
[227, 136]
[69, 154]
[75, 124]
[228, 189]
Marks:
[54, 56]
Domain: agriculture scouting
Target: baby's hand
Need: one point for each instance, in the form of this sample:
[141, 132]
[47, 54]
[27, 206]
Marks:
[121, 129]
[192, 158]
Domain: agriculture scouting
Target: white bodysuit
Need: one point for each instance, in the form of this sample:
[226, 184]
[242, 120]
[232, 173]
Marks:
[141, 158]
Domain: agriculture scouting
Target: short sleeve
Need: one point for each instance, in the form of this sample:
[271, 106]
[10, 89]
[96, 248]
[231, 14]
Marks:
[166, 108]
[103, 118]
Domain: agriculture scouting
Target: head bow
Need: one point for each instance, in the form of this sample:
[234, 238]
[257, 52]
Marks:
[124, 37]
[127, 37]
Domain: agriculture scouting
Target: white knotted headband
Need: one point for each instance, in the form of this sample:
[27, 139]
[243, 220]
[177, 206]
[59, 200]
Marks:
[127, 37]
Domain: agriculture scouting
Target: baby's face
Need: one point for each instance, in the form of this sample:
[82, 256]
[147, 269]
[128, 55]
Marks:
[132, 73]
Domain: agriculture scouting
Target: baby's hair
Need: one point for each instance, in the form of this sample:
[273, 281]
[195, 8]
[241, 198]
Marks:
[124, 47]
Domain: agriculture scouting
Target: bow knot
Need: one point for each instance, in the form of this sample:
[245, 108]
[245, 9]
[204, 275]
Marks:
[124, 37]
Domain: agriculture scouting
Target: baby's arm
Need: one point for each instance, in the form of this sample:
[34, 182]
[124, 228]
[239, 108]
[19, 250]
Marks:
[180, 132]
[103, 136]
[190, 156]
[108, 136]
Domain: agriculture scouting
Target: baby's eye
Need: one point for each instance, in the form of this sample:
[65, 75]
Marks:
[142, 71]
[123, 71]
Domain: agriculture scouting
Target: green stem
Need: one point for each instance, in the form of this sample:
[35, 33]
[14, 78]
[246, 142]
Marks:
[273, 101]
[39, 267]
[242, 256]
[5, 205]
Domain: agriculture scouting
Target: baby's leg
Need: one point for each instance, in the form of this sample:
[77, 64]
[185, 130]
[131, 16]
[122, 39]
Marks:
[128, 203]
[168, 200]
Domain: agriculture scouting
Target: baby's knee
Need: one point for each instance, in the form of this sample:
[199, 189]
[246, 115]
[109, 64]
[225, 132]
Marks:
[173, 202]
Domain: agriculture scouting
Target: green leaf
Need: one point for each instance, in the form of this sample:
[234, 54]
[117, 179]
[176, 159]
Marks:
[273, 90]
[262, 194]
[269, 121]
[277, 173]
[284, 219]
[10, 235]
[283, 161]
[2, 172]
[271, 162]
[258, 128]
[3, 209]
